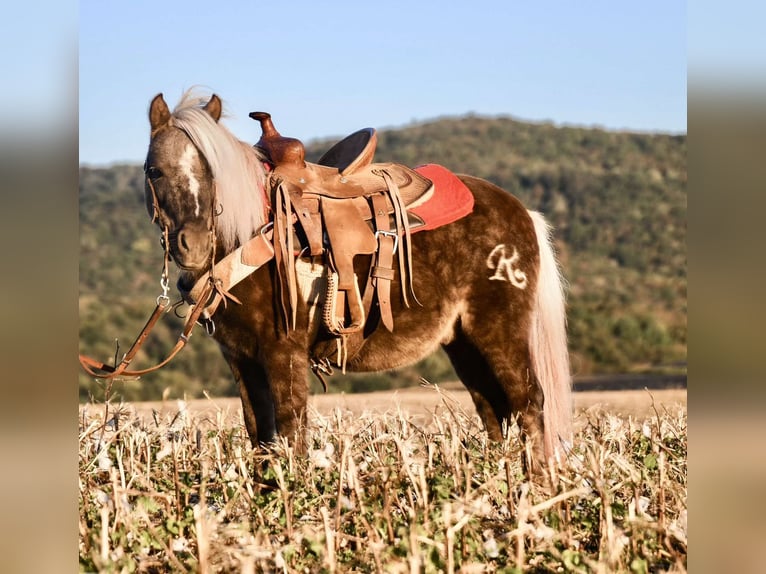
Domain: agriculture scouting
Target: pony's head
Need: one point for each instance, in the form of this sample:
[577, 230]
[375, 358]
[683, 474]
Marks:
[204, 188]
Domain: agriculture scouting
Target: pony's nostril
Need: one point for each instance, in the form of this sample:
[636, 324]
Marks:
[182, 243]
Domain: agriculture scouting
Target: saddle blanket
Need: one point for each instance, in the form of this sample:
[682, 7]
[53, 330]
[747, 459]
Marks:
[450, 201]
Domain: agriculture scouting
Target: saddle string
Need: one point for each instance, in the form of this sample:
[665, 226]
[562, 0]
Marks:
[403, 231]
[284, 252]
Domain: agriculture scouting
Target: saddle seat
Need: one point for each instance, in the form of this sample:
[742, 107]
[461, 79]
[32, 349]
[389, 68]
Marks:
[340, 207]
[352, 152]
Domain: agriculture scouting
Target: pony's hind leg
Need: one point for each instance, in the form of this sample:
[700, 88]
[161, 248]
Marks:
[525, 397]
[488, 397]
[499, 375]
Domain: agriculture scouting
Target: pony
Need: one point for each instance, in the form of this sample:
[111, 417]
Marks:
[489, 290]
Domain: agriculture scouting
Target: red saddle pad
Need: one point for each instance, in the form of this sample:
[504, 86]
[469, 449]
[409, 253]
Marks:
[450, 201]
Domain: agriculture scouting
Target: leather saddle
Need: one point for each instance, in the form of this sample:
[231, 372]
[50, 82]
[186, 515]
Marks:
[340, 207]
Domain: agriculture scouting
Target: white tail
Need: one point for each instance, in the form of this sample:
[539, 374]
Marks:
[548, 345]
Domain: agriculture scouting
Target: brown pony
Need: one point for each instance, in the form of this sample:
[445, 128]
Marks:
[488, 288]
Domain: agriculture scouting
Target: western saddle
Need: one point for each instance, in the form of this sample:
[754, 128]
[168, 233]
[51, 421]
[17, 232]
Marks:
[344, 205]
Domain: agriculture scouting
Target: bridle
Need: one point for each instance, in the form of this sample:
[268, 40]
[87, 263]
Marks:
[205, 296]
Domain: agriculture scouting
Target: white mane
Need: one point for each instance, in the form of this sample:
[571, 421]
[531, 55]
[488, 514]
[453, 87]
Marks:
[237, 168]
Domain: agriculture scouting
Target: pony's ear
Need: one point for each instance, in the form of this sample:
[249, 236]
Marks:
[214, 107]
[159, 114]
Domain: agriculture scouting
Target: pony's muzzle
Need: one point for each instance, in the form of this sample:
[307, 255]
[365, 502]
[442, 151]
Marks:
[191, 246]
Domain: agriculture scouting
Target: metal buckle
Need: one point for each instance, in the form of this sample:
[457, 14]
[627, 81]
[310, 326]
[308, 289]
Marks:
[164, 283]
[389, 234]
[209, 326]
[206, 322]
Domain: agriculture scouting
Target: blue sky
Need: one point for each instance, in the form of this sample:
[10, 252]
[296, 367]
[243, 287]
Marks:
[328, 68]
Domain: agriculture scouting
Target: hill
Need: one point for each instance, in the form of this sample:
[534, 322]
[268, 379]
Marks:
[616, 200]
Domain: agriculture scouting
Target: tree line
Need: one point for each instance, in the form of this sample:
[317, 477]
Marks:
[617, 202]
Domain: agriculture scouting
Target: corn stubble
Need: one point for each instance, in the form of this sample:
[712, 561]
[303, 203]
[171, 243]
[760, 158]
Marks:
[383, 493]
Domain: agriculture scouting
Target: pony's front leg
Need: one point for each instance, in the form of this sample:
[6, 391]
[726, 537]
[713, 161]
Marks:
[257, 401]
[288, 379]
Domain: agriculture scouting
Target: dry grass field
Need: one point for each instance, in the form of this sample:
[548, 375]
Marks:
[423, 403]
[394, 482]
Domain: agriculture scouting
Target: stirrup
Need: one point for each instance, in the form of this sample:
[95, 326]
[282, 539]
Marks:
[333, 312]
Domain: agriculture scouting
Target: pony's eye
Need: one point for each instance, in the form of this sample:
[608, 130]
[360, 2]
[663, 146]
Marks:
[153, 173]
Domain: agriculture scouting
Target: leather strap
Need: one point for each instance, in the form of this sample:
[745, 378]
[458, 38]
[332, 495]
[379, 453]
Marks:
[284, 250]
[103, 371]
[403, 231]
[307, 213]
[232, 269]
[381, 270]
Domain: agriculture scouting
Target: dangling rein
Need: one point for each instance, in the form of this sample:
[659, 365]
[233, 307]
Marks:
[208, 292]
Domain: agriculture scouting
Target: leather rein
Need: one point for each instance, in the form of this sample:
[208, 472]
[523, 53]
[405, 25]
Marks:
[204, 297]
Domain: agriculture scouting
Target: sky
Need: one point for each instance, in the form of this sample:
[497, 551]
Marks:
[325, 69]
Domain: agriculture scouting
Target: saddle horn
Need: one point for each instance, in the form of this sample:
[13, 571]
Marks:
[280, 150]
